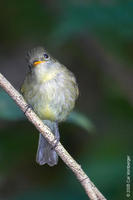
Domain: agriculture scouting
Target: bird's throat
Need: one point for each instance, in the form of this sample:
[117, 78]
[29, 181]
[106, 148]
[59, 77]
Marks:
[45, 75]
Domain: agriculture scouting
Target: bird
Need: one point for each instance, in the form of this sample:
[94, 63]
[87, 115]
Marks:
[51, 90]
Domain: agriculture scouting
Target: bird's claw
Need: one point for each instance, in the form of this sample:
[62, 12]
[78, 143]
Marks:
[56, 141]
[28, 106]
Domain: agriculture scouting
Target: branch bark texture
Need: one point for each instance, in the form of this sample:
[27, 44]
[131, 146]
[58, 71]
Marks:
[90, 189]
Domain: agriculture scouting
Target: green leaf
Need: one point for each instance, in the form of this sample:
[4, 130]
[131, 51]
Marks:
[81, 120]
[8, 108]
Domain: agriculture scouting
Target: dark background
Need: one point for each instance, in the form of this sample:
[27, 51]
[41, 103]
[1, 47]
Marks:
[94, 39]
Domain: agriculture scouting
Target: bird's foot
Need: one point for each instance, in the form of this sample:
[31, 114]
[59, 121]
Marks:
[56, 141]
[57, 136]
[27, 107]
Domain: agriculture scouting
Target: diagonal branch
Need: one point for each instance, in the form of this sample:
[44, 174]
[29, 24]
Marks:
[90, 189]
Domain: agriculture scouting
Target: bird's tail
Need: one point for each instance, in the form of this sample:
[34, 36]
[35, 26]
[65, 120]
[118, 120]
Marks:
[45, 152]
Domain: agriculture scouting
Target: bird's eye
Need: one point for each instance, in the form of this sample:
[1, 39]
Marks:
[46, 56]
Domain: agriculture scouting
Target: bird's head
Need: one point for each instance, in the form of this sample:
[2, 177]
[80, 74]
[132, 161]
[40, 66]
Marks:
[38, 56]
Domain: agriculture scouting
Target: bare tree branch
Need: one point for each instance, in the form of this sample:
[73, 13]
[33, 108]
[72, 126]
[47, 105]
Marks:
[90, 189]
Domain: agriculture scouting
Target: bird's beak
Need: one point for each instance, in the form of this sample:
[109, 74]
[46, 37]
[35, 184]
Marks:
[35, 63]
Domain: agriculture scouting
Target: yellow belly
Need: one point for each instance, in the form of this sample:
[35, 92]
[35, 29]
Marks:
[47, 113]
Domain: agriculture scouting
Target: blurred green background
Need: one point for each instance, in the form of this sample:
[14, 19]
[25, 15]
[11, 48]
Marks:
[94, 39]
